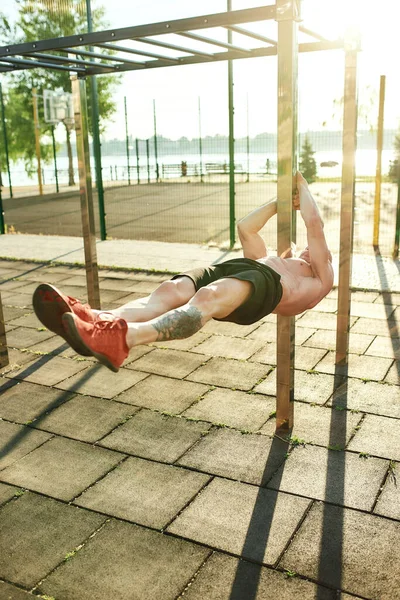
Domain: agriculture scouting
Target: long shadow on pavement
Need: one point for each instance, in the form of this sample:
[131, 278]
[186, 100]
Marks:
[256, 541]
[394, 332]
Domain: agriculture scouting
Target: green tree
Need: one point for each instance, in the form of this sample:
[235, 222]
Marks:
[43, 19]
[308, 166]
[394, 167]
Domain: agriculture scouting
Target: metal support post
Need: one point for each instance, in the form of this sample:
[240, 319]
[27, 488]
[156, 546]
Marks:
[127, 142]
[85, 180]
[248, 141]
[347, 202]
[378, 179]
[231, 110]
[395, 254]
[2, 224]
[55, 158]
[96, 135]
[4, 359]
[200, 145]
[137, 160]
[3, 119]
[148, 160]
[155, 142]
[286, 14]
[37, 139]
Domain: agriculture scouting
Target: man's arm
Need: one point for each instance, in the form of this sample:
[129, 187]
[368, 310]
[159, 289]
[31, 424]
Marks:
[320, 256]
[248, 228]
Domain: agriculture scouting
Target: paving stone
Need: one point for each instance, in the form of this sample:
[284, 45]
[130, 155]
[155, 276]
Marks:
[16, 360]
[371, 311]
[163, 394]
[229, 347]
[22, 401]
[12, 284]
[358, 342]
[173, 363]
[233, 408]
[17, 299]
[393, 375]
[147, 565]
[376, 327]
[362, 544]
[145, 492]
[109, 283]
[10, 592]
[230, 373]
[315, 388]
[305, 358]
[6, 493]
[368, 396]
[85, 418]
[357, 296]
[241, 519]
[186, 344]
[136, 353]
[302, 334]
[154, 436]
[49, 370]
[391, 298]
[364, 367]
[319, 425]
[224, 577]
[389, 501]
[29, 320]
[23, 337]
[61, 468]
[320, 320]
[385, 346]
[328, 305]
[75, 291]
[378, 436]
[17, 441]
[144, 287]
[97, 380]
[229, 453]
[13, 312]
[264, 333]
[227, 328]
[20, 286]
[37, 533]
[338, 477]
[55, 346]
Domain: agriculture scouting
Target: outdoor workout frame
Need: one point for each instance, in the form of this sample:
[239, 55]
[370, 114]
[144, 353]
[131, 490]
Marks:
[287, 13]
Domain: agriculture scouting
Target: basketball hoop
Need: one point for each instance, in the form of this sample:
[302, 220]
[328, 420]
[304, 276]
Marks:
[58, 107]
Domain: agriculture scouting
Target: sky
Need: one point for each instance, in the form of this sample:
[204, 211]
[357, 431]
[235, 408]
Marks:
[177, 90]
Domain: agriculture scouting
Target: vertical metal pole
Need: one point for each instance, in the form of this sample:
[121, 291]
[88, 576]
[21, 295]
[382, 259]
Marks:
[96, 135]
[2, 224]
[137, 160]
[155, 141]
[85, 180]
[148, 160]
[55, 158]
[4, 359]
[286, 15]
[248, 142]
[347, 202]
[231, 144]
[395, 254]
[200, 145]
[127, 142]
[3, 119]
[378, 179]
[37, 139]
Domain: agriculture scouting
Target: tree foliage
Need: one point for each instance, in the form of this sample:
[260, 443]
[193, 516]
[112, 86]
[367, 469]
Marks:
[308, 166]
[394, 167]
[42, 19]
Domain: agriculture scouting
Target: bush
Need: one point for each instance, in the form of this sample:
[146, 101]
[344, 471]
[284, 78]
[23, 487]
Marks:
[308, 166]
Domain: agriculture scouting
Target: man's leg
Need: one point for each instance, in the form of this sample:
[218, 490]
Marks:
[218, 299]
[170, 294]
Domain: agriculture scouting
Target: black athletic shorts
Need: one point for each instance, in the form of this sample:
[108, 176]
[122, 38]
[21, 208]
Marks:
[267, 288]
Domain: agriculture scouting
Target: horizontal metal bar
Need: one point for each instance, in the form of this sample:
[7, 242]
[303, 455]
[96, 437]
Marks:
[81, 52]
[178, 48]
[236, 17]
[252, 34]
[36, 64]
[63, 59]
[206, 40]
[138, 52]
[317, 36]
[317, 46]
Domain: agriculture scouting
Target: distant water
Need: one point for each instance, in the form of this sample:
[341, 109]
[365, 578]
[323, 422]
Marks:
[115, 167]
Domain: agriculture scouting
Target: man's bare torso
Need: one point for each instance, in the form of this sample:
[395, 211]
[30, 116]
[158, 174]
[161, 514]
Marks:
[301, 290]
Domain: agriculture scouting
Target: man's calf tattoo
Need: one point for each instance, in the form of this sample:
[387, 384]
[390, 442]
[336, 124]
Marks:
[179, 324]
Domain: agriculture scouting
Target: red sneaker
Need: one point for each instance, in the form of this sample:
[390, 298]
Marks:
[50, 304]
[104, 338]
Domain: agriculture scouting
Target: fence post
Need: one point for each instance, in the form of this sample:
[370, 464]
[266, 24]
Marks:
[55, 157]
[378, 179]
[127, 142]
[232, 224]
[155, 141]
[148, 160]
[200, 145]
[37, 139]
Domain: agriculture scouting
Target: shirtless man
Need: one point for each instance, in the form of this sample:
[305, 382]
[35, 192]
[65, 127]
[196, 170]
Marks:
[241, 290]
